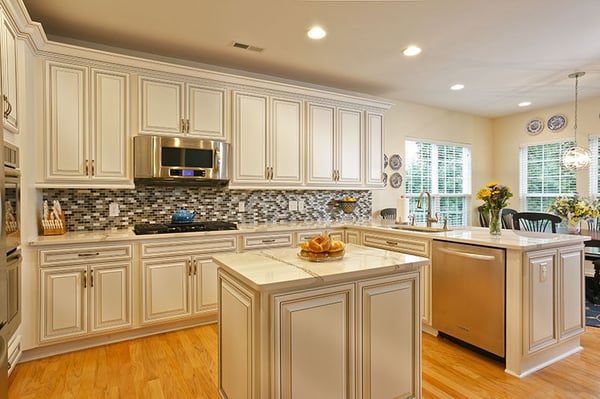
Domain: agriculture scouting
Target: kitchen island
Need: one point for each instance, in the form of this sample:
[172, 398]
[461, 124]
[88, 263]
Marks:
[345, 328]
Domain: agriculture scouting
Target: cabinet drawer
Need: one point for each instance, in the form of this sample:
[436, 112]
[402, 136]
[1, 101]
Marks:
[55, 257]
[259, 241]
[398, 243]
[189, 246]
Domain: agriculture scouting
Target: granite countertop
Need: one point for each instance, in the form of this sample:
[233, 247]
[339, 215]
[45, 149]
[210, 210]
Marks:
[510, 239]
[278, 268]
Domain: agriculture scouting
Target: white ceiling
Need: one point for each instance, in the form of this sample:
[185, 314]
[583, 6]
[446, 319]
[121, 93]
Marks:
[503, 51]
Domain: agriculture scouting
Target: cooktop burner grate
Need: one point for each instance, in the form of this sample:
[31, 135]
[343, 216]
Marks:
[162, 228]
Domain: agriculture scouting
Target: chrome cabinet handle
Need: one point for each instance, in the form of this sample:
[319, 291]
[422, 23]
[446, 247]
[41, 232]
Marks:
[8, 109]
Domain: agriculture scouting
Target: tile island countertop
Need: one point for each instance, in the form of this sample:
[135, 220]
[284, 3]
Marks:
[279, 268]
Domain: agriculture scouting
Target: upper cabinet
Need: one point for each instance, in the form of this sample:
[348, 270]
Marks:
[335, 145]
[8, 62]
[176, 107]
[374, 149]
[267, 140]
[86, 138]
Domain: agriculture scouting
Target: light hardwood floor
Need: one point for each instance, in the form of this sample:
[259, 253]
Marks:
[183, 364]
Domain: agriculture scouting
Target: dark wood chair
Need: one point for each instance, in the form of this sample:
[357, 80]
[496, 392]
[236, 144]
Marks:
[535, 221]
[507, 218]
[484, 217]
[388, 213]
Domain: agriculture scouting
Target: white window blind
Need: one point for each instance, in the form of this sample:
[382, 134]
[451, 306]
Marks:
[542, 176]
[444, 170]
[595, 150]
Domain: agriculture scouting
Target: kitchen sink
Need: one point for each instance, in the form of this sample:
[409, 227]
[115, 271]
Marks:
[419, 228]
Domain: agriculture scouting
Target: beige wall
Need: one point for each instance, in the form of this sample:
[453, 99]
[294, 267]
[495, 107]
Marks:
[418, 121]
[509, 134]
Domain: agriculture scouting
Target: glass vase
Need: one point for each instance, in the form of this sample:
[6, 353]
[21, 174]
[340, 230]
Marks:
[495, 222]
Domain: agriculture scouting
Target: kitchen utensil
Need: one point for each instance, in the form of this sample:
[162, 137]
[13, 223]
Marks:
[183, 216]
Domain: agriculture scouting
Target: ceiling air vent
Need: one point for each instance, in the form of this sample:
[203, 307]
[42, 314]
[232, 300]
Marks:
[247, 47]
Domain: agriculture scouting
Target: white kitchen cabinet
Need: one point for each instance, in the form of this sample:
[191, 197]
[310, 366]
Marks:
[409, 244]
[551, 314]
[335, 142]
[179, 278]
[87, 134]
[374, 149]
[309, 364]
[268, 140]
[175, 107]
[8, 61]
[84, 290]
[78, 300]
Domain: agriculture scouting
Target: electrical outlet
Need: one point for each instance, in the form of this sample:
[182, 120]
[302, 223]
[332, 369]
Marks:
[241, 206]
[113, 209]
[301, 205]
[293, 205]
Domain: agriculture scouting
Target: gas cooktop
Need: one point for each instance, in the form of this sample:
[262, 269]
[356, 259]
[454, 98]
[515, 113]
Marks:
[159, 228]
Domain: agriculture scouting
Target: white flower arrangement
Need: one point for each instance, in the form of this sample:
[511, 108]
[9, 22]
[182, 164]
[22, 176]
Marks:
[574, 208]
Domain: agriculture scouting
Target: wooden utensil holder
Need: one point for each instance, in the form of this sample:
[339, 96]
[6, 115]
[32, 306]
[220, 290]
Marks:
[47, 230]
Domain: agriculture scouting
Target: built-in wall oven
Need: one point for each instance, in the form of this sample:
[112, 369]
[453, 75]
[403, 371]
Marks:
[11, 208]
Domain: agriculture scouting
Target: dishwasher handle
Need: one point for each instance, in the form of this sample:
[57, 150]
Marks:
[468, 255]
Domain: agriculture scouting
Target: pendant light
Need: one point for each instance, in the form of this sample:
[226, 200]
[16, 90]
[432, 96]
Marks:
[576, 157]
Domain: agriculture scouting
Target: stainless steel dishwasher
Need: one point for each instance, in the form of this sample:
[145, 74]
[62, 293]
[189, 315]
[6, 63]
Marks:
[468, 294]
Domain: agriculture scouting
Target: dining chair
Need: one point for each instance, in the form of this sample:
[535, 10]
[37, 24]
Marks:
[593, 224]
[535, 221]
[388, 213]
[484, 218]
[507, 218]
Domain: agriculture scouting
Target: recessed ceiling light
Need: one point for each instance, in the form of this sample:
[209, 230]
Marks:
[411, 51]
[525, 104]
[316, 33]
[457, 86]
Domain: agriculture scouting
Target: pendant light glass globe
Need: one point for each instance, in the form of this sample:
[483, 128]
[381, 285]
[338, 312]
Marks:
[576, 158]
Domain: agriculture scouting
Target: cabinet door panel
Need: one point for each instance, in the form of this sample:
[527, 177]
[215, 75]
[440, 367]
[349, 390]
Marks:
[161, 106]
[349, 153]
[389, 339]
[374, 161]
[206, 285]
[66, 144]
[250, 137]
[571, 293]
[205, 112]
[110, 125]
[285, 154]
[542, 307]
[111, 296]
[165, 289]
[9, 73]
[63, 302]
[313, 348]
[320, 143]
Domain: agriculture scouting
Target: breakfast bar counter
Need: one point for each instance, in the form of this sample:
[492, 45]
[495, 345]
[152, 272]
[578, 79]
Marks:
[289, 327]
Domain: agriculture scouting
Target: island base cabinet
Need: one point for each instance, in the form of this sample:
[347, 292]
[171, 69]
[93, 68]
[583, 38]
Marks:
[349, 340]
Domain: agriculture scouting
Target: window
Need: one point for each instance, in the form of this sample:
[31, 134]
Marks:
[594, 165]
[543, 178]
[444, 170]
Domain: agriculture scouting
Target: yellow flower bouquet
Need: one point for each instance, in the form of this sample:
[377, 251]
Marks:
[574, 208]
[494, 196]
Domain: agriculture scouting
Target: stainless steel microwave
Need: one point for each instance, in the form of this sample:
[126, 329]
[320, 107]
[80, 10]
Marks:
[173, 160]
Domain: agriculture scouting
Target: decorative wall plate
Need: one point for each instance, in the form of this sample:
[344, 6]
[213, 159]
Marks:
[557, 122]
[534, 126]
[384, 178]
[395, 162]
[396, 180]
[385, 161]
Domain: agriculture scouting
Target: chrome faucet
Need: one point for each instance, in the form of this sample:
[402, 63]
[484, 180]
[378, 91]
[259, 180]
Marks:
[420, 205]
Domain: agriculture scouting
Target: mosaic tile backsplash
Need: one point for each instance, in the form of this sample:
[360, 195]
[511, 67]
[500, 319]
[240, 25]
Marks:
[88, 209]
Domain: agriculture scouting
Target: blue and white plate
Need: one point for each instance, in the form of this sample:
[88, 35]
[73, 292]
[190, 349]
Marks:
[534, 126]
[395, 162]
[557, 122]
[384, 178]
[385, 161]
[396, 180]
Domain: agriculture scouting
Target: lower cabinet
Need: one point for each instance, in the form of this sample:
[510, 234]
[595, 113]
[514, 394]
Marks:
[353, 340]
[179, 278]
[81, 299]
[178, 286]
[551, 315]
